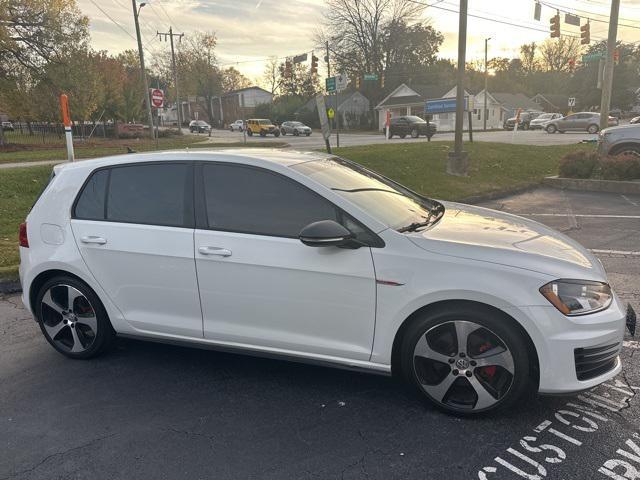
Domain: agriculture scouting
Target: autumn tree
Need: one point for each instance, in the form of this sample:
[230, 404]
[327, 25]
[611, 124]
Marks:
[555, 55]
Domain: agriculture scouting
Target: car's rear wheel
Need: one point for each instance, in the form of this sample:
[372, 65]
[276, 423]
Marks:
[466, 360]
[263, 133]
[593, 128]
[551, 129]
[414, 133]
[72, 318]
[276, 133]
[283, 132]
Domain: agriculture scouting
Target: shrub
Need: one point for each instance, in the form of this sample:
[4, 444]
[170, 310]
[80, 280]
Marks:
[579, 164]
[169, 132]
[620, 167]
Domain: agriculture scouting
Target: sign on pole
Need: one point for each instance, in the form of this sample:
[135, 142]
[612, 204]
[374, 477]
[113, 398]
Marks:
[66, 120]
[341, 82]
[331, 113]
[592, 57]
[572, 101]
[157, 98]
[324, 120]
[300, 58]
[370, 76]
[330, 83]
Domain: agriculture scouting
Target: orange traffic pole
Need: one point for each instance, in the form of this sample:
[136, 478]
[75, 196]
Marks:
[66, 120]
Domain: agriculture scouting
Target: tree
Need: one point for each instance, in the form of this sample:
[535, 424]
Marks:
[556, 54]
[271, 76]
[35, 32]
[232, 79]
[528, 58]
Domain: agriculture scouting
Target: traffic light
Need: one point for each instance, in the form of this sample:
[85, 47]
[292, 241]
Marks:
[555, 26]
[287, 68]
[314, 64]
[358, 83]
[382, 80]
[616, 56]
[585, 34]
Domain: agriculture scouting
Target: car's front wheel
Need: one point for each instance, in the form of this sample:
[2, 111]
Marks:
[593, 129]
[283, 132]
[415, 133]
[276, 133]
[466, 360]
[72, 318]
[551, 129]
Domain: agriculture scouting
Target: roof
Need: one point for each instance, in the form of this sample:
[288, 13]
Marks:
[555, 99]
[424, 92]
[515, 100]
[254, 156]
[344, 96]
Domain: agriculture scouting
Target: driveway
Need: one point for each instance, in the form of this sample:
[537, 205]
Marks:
[163, 412]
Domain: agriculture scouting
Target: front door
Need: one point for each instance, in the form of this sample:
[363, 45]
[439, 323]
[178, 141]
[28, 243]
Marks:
[260, 286]
[134, 227]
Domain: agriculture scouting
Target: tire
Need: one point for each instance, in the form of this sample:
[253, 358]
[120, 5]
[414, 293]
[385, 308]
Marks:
[551, 129]
[403, 135]
[231, 129]
[308, 134]
[296, 133]
[283, 132]
[626, 150]
[593, 129]
[84, 333]
[276, 133]
[454, 380]
[263, 133]
[250, 132]
[414, 133]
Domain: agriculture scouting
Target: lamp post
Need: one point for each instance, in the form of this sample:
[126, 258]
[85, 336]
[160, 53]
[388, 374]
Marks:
[486, 78]
[145, 85]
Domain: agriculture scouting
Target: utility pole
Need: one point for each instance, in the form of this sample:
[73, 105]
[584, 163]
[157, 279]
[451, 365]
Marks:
[175, 71]
[607, 83]
[337, 119]
[145, 85]
[458, 161]
[486, 81]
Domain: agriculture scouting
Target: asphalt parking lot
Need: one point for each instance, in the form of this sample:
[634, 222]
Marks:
[156, 411]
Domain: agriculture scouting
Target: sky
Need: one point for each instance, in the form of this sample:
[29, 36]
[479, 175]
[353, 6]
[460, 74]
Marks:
[250, 31]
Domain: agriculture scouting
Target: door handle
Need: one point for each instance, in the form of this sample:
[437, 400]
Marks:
[221, 252]
[93, 239]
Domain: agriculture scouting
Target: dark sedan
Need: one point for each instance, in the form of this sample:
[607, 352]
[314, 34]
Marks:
[411, 125]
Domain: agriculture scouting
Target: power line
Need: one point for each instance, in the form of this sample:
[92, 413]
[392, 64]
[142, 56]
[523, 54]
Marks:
[576, 10]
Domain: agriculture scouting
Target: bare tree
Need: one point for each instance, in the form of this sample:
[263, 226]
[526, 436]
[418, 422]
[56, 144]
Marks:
[555, 54]
[528, 58]
[271, 76]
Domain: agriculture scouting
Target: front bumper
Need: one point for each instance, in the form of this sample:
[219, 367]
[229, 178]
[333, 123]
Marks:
[564, 339]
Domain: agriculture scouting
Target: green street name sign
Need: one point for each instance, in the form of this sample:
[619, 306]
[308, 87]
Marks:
[371, 76]
[592, 57]
[331, 84]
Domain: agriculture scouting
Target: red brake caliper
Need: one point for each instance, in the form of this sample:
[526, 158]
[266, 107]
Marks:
[490, 371]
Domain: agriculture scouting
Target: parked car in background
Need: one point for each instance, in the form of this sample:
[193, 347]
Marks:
[411, 125]
[524, 120]
[295, 128]
[635, 120]
[541, 121]
[7, 126]
[310, 257]
[262, 127]
[237, 126]
[582, 121]
[199, 126]
[624, 139]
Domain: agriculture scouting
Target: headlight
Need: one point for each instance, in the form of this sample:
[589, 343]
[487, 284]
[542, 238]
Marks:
[577, 297]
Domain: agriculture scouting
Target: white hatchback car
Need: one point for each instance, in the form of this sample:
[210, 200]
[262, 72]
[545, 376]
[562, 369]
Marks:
[315, 258]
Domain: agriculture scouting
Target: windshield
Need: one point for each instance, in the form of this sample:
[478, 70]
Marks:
[414, 119]
[545, 115]
[296, 124]
[381, 198]
[264, 122]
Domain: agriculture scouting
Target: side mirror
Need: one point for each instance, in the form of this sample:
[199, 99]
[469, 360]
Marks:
[326, 233]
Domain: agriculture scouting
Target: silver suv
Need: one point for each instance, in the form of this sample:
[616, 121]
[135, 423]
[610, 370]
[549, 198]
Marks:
[619, 140]
[582, 121]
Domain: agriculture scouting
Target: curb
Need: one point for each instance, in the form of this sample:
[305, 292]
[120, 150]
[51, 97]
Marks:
[8, 285]
[590, 185]
[499, 194]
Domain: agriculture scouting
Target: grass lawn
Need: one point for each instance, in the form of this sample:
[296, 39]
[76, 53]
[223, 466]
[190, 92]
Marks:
[494, 167]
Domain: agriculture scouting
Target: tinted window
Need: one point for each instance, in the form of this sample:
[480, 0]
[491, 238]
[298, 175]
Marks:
[250, 200]
[155, 194]
[90, 204]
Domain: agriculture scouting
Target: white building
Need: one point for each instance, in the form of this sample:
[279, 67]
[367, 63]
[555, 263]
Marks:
[410, 100]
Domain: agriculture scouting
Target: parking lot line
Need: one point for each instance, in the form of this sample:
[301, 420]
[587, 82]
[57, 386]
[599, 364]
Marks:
[581, 215]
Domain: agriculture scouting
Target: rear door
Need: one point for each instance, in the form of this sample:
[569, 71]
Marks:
[134, 226]
[260, 285]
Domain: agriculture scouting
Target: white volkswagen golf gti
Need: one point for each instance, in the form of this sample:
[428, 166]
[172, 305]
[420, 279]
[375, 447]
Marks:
[315, 258]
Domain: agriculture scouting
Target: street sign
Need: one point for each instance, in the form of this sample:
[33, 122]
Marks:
[592, 57]
[572, 19]
[330, 83]
[331, 113]
[341, 81]
[157, 98]
[370, 76]
[572, 101]
[300, 58]
[443, 105]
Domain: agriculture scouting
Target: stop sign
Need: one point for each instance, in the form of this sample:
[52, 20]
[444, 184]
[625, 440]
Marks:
[157, 98]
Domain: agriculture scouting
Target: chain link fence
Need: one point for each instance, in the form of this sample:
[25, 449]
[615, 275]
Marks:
[52, 134]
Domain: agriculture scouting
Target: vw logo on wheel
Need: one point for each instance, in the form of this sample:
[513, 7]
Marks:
[462, 363]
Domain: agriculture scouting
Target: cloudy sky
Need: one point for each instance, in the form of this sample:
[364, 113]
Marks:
[249, 31]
